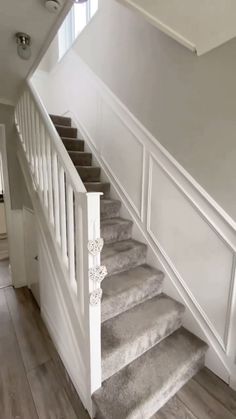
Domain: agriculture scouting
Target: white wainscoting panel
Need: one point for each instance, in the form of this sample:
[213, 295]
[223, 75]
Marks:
[60, 321]
[203, 261]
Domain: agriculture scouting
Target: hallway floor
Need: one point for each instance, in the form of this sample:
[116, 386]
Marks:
[33, 383]
[5, 276]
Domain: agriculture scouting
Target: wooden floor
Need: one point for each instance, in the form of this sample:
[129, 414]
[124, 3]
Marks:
[34, 385]
[5, 277]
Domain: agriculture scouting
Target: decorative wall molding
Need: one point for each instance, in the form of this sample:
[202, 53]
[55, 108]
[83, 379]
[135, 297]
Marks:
[223, 341]
[213, 211]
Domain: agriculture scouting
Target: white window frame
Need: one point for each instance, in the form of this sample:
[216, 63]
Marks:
[66, 34]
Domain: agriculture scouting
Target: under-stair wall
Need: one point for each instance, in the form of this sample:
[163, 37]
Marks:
[188, 233]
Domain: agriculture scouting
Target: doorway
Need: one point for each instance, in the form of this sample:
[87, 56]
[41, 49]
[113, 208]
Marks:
[5, 269]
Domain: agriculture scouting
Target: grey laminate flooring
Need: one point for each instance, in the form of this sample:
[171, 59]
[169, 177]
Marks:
[34, 385]
[5, 276]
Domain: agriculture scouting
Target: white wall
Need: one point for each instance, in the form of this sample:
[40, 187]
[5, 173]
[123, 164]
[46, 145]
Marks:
[187, 102]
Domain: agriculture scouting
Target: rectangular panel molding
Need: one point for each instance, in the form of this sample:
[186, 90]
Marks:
[202, 260]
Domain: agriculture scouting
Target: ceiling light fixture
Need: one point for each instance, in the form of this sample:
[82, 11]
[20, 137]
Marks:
[53, 5]
[23, 45]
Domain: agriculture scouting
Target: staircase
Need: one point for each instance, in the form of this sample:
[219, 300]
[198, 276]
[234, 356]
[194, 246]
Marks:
[147, 356]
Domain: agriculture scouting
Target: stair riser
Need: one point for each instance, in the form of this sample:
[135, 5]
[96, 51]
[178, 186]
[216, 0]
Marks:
[89, 174]
[131, 298]
[67, 132]
[103, 187]
[119, 360]
[74, 145]
[61, 120]
[110, 210]
[83, 159]
[113, 233]
[125, 261]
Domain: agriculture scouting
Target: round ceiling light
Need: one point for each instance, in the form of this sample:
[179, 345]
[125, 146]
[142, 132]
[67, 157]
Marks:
[23, 45]
[53, 5]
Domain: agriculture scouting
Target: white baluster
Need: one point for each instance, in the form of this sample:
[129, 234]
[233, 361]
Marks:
[71, 232]
[55, 182]
[44, 165]
[39, 150]
[49, 171]
[62, 195]
[20, 120]
[30, 154]
[26, 127]
[34, 139]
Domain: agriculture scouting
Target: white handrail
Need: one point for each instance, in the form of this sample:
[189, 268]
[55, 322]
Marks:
[73, 218]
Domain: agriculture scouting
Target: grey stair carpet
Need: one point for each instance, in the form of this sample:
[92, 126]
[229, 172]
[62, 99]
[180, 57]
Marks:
[141, 388]
[110, 208]
[81, 158]
[129, 288]
[89, 173]
[121, 256]
[146, 355]
[74, 144]
[61, 120]
[116, 229]
[129, 335]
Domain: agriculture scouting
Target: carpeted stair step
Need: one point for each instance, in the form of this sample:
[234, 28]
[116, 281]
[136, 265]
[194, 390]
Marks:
[67, 132]
[81, 158]
[141, 388]
[121, 256]
[110, 208]
[129, 335]
[125, 290]
[103, 187]
[89, 173]
[74, 144]
[116, 229]
[61, 120]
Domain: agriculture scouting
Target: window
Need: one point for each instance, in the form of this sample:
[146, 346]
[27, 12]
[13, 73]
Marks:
[76, 20]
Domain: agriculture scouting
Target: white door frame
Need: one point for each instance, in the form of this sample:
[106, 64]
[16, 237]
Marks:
[14, 222]
[7, 198]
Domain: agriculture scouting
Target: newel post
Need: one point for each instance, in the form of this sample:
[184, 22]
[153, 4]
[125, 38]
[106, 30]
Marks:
[93, 292]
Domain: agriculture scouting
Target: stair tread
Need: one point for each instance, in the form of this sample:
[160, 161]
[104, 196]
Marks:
[75, 152]
[65, 119]
[115, 221]
[122, 255]
[111, 249]
[63, 126]
[96, 182]
[65, 131]
[81, 158]
[77, 166]
[128, 335]
[72, 140]
[144, 386]
[126, 289]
